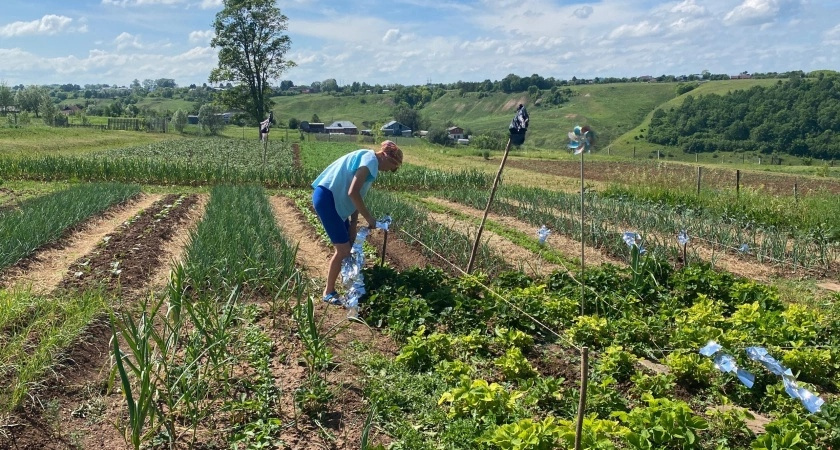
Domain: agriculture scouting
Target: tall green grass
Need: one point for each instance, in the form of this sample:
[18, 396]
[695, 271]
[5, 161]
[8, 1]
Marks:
[238, 242]
[44, 219]
[34, 330]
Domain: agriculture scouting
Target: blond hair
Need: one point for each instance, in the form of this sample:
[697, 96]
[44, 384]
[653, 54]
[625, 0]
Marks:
[390, 149]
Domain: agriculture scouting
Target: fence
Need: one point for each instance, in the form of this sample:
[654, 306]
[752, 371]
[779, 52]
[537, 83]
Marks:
[157, 125]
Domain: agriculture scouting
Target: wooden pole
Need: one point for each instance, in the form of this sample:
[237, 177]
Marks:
[738, 182]
[584, 383]
[699, 174]
[582, 235]
[384, 245]
[487, 209]
[795, 191]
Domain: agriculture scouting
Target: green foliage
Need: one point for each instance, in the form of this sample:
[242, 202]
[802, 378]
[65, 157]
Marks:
[43, 219]
[658, 385]
[614, 361]
[728, 427]
[526, 434]
[691, 369]
[210, 120]
[710, 123]
[483, 401]
[252, 49]
[421, 352]
[589, 330]
[179, 120]
[789, 432]
[662, 424]
[514, 366]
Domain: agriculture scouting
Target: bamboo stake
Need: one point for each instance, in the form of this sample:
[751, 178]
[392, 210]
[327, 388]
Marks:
[487, 209]
[582, 238]
[584, 384]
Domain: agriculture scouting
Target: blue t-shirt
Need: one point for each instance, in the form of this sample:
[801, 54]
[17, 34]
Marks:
[338, 176]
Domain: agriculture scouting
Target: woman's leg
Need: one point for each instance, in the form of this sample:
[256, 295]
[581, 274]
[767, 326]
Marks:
[338, 231]
[341, 251]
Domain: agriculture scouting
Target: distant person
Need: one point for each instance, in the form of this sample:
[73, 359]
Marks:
[339, 200]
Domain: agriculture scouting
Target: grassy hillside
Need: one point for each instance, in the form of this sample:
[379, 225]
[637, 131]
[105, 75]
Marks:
[624, 145]
[610, 109]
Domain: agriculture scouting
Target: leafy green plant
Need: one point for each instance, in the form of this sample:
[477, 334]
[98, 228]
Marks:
[728, 427]
[423, 352]
[658, 385]
[487, 402]
[691, 368]
[589, 330]
[526, 434]
[662, 424]
[789, 432]
[616, 362]
[514, 365]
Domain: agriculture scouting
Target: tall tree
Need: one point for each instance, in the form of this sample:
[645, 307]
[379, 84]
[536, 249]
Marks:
[252, 49]
[6, 98]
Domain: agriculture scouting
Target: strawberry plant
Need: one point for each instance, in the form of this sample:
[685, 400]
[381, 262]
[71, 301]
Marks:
[514, 366]
[662, 424]
[423, 352]
[483, 401]
[526, 434]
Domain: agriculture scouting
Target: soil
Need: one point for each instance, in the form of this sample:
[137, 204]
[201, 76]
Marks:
[529, 262]
[73, 408]
[43, 271]
[568, 247]
[127, 257]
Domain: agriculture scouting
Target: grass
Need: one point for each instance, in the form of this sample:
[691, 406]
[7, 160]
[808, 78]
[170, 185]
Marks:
[35, 140]
[44, 219]
[38, 329]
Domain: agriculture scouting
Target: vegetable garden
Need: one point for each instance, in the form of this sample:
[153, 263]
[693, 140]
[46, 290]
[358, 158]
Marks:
[231, 350]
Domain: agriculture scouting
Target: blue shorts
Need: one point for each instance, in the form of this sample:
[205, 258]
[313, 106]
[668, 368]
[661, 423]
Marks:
[337, 229]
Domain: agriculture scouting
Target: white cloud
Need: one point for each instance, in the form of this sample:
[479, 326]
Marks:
[391, 36]
[48, 25]
[125, 3]
[127, 40]
[689, 7]
[641, 29]
[756, 12]
[832, 36]
[211, 4]
[201, 37]
[583, 12]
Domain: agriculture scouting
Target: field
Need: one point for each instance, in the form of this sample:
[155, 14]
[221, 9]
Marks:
[165, 293]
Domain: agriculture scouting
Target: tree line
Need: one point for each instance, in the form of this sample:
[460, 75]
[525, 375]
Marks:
[800, 117]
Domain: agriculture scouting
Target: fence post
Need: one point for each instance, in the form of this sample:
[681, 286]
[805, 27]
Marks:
[634, 151]
[584, 383]
[699, 174]
[738, 182]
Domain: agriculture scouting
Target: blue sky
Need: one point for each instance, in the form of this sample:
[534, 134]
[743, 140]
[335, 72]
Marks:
[415, 41]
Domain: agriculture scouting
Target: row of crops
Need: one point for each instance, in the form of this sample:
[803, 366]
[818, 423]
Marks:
[492, 363]
[608, 217]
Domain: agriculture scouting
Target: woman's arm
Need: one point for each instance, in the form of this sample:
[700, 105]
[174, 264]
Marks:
[355, 194]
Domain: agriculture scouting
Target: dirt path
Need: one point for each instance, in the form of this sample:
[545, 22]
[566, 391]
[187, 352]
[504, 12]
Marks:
[568, 247]
[47, 267]
[346, 418]
[521, 258]
[173, 250]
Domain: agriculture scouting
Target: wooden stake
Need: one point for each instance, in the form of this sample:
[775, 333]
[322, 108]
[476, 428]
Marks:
[584, 383]
[487, 209]
[384, 245]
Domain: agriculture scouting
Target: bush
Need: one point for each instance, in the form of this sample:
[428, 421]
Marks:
[179, 120]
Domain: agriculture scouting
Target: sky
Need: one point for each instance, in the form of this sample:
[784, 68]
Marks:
[413, 42]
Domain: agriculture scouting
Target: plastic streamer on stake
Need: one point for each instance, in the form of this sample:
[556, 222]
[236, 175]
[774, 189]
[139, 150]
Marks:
[682, 237]
[726, 363]
[351, 269]
[811, 402]
[542, 234]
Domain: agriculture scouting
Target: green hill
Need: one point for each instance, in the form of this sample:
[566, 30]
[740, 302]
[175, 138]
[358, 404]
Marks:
[611, 109]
